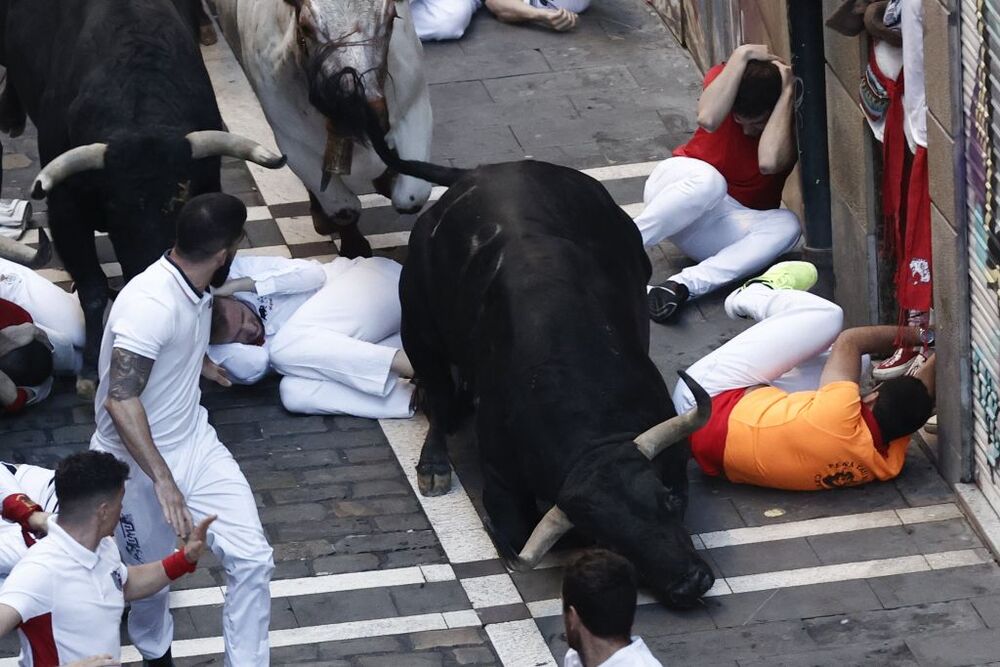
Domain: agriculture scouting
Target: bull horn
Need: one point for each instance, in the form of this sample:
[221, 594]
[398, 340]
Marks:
[73, 161]
[675, 429]
[553, 525]
[213, 143]
[21, 253]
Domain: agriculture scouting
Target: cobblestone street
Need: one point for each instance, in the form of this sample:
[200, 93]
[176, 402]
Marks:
[370, 574]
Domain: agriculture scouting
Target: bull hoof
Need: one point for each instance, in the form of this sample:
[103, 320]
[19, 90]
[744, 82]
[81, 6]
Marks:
[86, 388]
[206, 35]
[433, 479]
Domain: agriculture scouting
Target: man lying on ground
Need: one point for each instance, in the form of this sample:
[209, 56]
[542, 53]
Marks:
[787, 408]
[599, 596]
[25, 360]
[331, 329]
[67, 594]
[448, 19]
[718, 197]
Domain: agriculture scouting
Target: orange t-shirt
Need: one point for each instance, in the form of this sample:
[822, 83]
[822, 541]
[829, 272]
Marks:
[734, 154]
[806, 440]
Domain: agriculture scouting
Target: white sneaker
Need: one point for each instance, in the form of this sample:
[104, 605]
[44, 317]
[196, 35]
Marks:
[14, 216]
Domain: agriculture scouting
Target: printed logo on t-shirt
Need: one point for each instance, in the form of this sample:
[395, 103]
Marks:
[117, 578]
[842, 473]
[132, 546]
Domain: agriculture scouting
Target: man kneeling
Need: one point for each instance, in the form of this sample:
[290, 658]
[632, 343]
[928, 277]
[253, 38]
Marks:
[787, 409]
[331, 329]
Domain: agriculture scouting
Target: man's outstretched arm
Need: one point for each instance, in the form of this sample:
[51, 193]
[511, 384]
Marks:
[844, 362]
[127, 379]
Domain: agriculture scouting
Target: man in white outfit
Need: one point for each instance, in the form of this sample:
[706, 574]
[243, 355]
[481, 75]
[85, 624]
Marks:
[149, 415]
[718, 197]
[331, 329]
[599, 596]
[448, 19]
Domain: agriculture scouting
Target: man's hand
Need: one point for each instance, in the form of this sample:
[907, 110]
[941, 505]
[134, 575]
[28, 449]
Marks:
[754, 52]
[8, 391]
[787, 76]
[231, 287]
[214, 372]
[174, 508]
[195, 544]
[38, 523]
[19, 335]
[559, 20]
[94, 661]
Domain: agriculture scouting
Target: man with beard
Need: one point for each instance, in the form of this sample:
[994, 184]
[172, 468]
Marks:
[718, 197]
[148, 414]
[599, 597]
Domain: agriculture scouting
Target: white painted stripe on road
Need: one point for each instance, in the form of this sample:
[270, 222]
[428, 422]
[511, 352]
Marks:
[463, 538]
[807, 576]
[329, 583]
[828, 525]
[520, 644]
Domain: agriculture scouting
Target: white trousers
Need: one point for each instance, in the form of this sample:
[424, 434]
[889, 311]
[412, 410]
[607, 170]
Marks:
[212, 483]
[53, 309]
[785, 349]
[336, 350]
[449, 19]
[686, 201]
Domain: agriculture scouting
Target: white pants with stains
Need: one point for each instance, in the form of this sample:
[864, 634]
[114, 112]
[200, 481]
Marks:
[336, 350]
[448, 19]
[212, 483]
[787, 348]
[686, 202]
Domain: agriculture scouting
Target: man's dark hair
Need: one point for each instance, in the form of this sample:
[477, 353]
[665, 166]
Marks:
[903, 406]
[28, 365]
[759, 89]
[601, 586]
[209, 223]
[85, 479]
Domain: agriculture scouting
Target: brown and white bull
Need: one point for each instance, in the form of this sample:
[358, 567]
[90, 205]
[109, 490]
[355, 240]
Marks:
[315, 65]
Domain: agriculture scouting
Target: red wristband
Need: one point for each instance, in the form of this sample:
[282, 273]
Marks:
[176, 565]
[18, 508]
[19, 402]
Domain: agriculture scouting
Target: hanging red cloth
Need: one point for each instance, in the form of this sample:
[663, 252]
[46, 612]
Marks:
[913, 270]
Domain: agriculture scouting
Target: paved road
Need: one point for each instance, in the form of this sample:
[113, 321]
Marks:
[369, 573]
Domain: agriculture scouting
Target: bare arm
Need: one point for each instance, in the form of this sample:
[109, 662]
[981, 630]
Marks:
[776, 149]
[517, 11]
[717, 99]
[9, 619]
[844, 362]
[128, 377]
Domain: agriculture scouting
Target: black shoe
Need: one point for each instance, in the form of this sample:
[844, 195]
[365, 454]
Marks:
[166, 660]
[664, 300]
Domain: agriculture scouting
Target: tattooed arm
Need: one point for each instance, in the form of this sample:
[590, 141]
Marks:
[128, 377]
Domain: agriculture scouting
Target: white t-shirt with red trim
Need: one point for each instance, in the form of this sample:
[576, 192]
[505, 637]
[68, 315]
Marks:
[70, 599]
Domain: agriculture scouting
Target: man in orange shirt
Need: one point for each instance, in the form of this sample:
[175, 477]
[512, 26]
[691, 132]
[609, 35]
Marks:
[718, 197]
[787, 406]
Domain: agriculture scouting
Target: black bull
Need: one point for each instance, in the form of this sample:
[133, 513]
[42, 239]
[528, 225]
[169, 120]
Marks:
[128, 129]
[524, 295]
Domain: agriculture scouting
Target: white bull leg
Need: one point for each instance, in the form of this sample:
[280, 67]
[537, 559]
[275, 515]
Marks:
[411, 121]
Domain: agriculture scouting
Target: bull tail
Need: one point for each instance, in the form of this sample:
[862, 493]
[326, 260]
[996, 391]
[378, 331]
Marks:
[426, 171]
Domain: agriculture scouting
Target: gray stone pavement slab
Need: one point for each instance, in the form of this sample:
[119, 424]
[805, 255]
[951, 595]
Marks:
[784, 604]
[974, 647]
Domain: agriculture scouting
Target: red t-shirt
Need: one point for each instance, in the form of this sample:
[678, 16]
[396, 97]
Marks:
[734, 154]
[11, 314]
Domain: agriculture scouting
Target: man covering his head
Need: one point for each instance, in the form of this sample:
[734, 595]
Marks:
[25, 359]
[599, 597]
[718, 198]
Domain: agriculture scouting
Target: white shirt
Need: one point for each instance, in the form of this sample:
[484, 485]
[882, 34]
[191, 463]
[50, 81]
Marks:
[69, 597]
[282, 286]
[33, 481]
[635, 654]
[160, 316]
[911, 23]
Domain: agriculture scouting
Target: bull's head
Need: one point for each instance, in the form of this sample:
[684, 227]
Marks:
[145, 181]
[618, 498]
[343, 45]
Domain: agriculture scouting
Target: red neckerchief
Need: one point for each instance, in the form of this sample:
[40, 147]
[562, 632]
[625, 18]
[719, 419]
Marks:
[880, 445]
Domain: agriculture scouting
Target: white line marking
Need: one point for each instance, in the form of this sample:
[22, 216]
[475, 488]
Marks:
[491, 591]
[807, 576]
[520, 644]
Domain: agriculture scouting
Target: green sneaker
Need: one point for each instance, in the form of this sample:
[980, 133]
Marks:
[783, 275]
